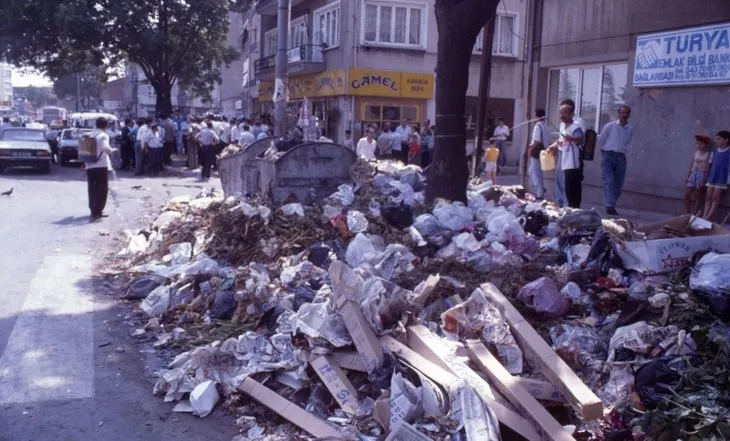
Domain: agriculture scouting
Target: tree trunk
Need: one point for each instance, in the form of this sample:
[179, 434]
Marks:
[458, 23]
[163, 103]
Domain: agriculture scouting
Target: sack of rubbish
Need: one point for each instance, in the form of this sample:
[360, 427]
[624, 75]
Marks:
[140, 287]
[654, 380]
[398, 215]
[602, 255]
[582, 220]
[543, 296]
[453, 215]
[710, 278]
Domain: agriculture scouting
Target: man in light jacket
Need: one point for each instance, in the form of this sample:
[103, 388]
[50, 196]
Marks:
[97, 172]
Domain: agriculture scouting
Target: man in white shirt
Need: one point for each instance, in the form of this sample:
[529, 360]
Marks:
[348, 142]
[208, 139]
[155, 141]
[263, 135]
[97, 172]
[226, 133]
[615, 142]
[501, 133]
[140, 148]
[246, 137]
[366, 146]
[570, 145]
[539, 141]
[404, 132]
[235, 131]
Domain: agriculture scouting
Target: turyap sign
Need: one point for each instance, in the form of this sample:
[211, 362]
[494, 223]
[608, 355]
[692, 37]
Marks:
[691, 56]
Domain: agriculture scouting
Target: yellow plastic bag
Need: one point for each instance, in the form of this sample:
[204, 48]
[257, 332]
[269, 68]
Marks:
[547, 161]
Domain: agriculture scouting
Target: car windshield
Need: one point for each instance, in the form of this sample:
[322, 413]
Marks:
[23, 135]
[73, 134]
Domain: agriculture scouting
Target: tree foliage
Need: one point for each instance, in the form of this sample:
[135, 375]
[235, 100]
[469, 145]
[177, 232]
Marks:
[90, 84]
[459, 23]
[37, 96]
[173, 41]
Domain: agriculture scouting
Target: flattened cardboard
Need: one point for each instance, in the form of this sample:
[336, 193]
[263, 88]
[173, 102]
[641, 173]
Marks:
[286, 409]
[337, 383]
[448, 380]
[518, 396]
[405, 432]
[542, 357]
[671, 254]
[362, 334]
[350, 360]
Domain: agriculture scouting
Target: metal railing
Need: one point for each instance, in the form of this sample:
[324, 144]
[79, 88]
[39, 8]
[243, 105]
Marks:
[306, 53]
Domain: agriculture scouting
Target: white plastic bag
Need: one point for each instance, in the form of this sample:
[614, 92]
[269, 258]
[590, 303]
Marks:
[453, 215]
[291, 209]
[711, 278]
[356, 222]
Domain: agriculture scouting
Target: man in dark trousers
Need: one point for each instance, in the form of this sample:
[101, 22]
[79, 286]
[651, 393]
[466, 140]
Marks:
[97, 172]
[127, 146]
[170, 138]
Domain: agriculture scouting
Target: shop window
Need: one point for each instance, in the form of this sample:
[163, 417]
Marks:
[372, 112]
[411, 113]
[327, 24]
[506, 35]
[394, 23]
[378, 114]
[598, 92]
[391, 113]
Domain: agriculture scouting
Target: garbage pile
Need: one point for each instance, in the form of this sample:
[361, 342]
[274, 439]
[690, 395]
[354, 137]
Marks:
[370, 315]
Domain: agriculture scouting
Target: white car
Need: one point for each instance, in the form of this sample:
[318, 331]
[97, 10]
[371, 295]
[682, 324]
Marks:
[68, 145]
[24, 147]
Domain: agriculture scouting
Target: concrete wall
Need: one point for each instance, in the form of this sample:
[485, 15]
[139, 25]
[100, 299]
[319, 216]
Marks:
[665, 120]
[231, 86]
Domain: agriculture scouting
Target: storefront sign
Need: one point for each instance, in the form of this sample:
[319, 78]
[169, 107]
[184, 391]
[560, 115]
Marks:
[364, 82]
[691, 56]
[329, 83]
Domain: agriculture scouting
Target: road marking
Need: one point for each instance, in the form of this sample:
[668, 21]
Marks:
[49, 355]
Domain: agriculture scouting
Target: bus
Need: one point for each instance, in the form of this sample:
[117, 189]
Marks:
[51, 113]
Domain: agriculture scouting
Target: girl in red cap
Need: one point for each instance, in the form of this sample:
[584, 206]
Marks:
[697, 176]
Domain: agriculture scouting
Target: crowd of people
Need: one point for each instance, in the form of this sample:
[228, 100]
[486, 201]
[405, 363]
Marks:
[407, 142]
[148, 144]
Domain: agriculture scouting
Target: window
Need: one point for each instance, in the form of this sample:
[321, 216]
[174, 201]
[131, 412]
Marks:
[270, 43]
[298, 32]
[505, 36]
[395, 24]
[150, 91]
[379, 113]
[327, 25]
[598, 92]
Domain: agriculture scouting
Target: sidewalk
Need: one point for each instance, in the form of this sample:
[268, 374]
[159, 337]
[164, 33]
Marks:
[637, 217]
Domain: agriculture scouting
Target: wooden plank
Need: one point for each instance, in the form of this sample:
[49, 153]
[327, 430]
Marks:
[542, 357]
[337, 383]
[448, 380]
[516, 394]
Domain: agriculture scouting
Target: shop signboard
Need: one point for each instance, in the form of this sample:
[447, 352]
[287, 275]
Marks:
[383, 83]
[692, 56]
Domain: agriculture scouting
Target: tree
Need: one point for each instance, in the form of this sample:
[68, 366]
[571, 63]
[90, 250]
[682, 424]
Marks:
[172, 41]
[37, 96]
[459, 23]
[90, 84]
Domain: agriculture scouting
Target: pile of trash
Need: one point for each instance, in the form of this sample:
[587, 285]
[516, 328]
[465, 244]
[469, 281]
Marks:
[370, 315]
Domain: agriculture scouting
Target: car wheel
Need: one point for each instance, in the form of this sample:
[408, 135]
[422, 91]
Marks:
[46, 168]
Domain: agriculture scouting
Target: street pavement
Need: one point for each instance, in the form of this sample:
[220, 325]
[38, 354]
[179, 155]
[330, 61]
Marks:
[69, 370]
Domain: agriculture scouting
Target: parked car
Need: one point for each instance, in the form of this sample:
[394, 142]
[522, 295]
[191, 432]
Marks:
[24, 147]
[68, 145]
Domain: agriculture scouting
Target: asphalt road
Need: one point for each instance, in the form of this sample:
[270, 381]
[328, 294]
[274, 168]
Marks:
[69, 370]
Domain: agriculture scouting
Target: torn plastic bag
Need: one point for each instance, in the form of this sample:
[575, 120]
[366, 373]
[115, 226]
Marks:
[579, 346]
[467, 242]
[603, 256]
[292, 209]
[453, 215]
[362, 248]
[356, 222]
[320, 320]
[582, 220]
[142, 286]
[479, 318]
[157, 302]
[710, 278]
[643, 339]
[572, 291]
[535, 222]
[224, 305]
[181, 253]
[654, 380]
[619, 386]
[542, 296]
[411, 178]
[398, 215]
[427, 225]
[344, 195]
[406, 194]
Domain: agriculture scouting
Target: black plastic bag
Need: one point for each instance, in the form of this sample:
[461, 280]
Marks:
[602, 255]
[224, 305]
[140, 287]
[653, 380]
[321, 256]
[535, 222]
[398, 215]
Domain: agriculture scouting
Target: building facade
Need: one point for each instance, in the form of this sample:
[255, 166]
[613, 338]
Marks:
[372, 61]
[229, 93]
[677, 83]
[6, 85]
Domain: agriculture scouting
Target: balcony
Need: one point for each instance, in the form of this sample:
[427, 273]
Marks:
[269, 7]
[302, 60]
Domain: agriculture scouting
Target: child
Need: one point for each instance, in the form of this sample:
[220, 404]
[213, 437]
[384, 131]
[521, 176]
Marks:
[491, 155]
[697, 176]
[414, 150]
[719, 171]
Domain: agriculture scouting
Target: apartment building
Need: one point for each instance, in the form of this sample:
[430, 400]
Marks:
[6, 85]
[672, 67]
[372, 61]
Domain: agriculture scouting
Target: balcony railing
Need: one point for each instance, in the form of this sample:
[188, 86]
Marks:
[306, 53]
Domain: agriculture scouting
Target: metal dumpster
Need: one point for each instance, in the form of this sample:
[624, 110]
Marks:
[315, 168]
[236, 169]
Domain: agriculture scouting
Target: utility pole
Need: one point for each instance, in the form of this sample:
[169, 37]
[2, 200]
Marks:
[78, 92]
[485, 75]
[281, 88]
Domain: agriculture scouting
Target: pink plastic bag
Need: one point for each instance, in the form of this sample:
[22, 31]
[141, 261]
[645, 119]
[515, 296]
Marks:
[543, 296]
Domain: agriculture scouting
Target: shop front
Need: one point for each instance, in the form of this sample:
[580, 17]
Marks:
[389, 97]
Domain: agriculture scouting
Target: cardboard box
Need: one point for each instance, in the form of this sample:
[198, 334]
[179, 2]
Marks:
[314, 425]
[671, 254]
[362, 334]
[448, 378]
[516, 394]
[543, 358]
[350, 360]
[337, 383]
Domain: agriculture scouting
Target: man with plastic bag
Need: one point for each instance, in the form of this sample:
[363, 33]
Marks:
[97, 172]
